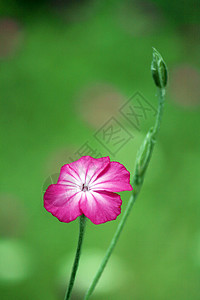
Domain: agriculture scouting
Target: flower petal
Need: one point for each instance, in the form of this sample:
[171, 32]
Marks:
[69, 177]
[82, 171]
[100, 207]
[114, 178]
[62, 202]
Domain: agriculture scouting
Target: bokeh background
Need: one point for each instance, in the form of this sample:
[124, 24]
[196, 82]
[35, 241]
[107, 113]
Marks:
[66, 68]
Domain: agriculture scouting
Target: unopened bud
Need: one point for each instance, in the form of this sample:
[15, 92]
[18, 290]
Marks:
[159, 69]
[145, 152]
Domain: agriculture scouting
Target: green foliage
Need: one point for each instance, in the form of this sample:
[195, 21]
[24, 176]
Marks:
[40, 85]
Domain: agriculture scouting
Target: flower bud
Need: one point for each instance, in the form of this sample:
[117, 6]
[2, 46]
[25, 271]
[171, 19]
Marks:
[145, 152]
[159, 69]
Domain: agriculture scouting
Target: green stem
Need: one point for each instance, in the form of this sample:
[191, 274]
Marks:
[111, 247]
[82, 221]
[137, 184]
[161, 98]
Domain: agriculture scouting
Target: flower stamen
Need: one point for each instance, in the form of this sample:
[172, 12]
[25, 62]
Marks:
[84, 188]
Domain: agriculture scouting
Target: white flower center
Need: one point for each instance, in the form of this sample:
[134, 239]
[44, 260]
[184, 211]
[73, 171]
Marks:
[84, 188]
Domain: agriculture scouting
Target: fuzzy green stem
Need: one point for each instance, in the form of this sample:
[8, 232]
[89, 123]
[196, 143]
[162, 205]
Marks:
[137, 184]
[82, 222]
[161, 98]
[111, 247]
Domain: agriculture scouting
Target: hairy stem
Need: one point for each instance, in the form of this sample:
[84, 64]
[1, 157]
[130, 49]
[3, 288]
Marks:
[137, 184]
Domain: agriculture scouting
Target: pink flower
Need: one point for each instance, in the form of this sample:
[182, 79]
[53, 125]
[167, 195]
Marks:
[88, 186]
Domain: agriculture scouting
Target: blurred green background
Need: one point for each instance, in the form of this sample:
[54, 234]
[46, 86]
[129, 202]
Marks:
[66, 67]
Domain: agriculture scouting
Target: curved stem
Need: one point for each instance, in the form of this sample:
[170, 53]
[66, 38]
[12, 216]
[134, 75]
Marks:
[137, 184]
[111, 247]
[82, 221]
